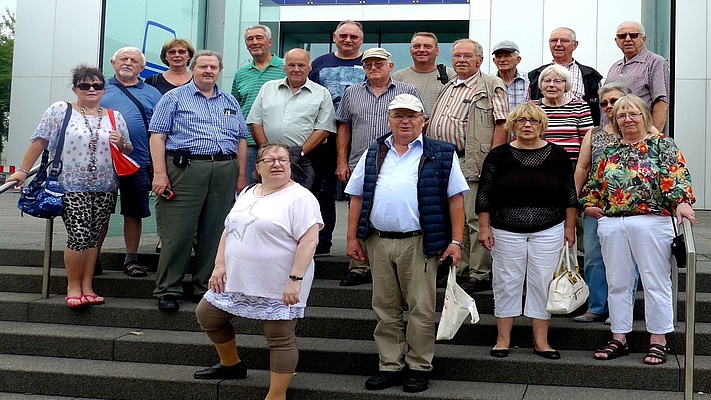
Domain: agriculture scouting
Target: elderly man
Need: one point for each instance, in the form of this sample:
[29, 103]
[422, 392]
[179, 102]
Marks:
[265, 66]
[585, 81]
[334, 71]
[470, 113]
[293, 110]
[199, 149]
[506, 59]
[646, 73]
[424, 73]
[128, 94]
[409, 226]
[362, 118]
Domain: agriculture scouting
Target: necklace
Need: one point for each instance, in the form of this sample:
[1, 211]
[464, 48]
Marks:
[276, 189]
[93, 140]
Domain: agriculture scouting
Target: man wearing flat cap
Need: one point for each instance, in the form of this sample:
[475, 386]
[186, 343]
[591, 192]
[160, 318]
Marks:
[506, 59]
[362, 118]
[414, 220]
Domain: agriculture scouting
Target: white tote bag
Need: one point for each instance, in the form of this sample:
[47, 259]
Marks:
[458, 305]
[568, 290]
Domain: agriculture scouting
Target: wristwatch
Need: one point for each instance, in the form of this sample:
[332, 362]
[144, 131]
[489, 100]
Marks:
[296, 278]
[457, 243]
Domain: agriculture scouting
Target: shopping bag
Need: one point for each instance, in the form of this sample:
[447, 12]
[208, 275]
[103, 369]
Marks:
[458, 305]
[123, 164]
[567, 290]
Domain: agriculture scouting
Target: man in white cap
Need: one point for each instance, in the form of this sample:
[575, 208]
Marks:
[506, 59]
[411, 223]
[362, 118]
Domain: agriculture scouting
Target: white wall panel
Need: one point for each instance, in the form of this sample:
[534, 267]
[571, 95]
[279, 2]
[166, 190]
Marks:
[71, 32]
[690, 123]
[691, 39]
[607, 50]
[524, 27]
[579, 16]
[33, 41]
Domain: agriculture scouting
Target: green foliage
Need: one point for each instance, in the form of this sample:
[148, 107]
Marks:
[7, 44]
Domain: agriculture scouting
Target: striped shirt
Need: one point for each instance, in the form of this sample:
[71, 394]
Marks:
[368, 114]
[517, 91]
[202, 125]
[450, 117]
[577, 89]
[249, 79]
[567, 125]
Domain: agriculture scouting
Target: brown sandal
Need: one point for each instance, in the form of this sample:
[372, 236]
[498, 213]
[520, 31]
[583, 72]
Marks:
[656, 352]
[614, 349]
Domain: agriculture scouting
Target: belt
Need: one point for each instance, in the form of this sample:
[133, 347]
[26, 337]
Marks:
[397, 235]
[208, 157]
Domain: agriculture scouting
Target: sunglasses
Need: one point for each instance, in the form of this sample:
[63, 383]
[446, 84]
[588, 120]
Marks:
[622, 36]
[87, 86]
[604, 103]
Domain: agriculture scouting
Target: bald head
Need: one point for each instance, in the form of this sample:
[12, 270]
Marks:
[297, 67]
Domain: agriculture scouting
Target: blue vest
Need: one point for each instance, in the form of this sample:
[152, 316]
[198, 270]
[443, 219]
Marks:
[432, 199]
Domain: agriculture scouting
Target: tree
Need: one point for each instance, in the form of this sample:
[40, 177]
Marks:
[7, 44]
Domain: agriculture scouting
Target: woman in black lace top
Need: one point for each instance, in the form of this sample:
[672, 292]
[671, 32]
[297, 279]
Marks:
[526, 205]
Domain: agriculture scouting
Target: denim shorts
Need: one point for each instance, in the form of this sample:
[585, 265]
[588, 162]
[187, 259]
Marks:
[134, 191]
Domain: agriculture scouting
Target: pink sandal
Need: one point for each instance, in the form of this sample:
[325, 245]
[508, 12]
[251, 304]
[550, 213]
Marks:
[69, 300]
[93, 299]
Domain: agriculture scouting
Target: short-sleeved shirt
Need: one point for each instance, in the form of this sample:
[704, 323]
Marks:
[367, 114]
[148, 96]
[517, 91]
[567, 125]
[202, 125]
[76, 152]
[646, 74]
[336, 74]
[292, 117]
[426, 83]
[249, 79]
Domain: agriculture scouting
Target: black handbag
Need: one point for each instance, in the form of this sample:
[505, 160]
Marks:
[678, 247]
[42, 198]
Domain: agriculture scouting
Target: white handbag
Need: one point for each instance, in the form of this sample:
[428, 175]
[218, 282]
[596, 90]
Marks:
[567, 290]
[458, 305]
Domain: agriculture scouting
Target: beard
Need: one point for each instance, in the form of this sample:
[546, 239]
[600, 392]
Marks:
[125, 74]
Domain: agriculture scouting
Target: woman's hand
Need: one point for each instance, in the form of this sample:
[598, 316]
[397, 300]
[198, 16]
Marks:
[217, 279]
[291, 292]
[116, 138]
[486, 238]
[18, 176]
[684, 210]
[594, 212]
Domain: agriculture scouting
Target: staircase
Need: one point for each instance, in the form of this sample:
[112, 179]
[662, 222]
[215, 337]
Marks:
[128, 349]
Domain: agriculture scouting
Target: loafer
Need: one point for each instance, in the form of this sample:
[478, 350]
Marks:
[355, 279]
[499, 353]
[168, 303]
[590, 318]
[384, 380]
[219, 371]
[549, 354]
[417, 381]
[474, 285]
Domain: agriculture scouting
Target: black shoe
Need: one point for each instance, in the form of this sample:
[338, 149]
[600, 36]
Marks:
[168, 303]
[549, 354]
[219, 371]
[322, 250]
[475, 285]
[499, 353]
[159, 245]
[354, 279]
[417, 381]
[384, 380]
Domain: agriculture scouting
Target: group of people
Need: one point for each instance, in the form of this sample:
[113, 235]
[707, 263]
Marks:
[441, 164]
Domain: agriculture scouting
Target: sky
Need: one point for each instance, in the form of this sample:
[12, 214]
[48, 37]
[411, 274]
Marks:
[7, 3]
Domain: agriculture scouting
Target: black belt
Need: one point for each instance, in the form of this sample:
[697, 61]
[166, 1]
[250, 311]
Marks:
[397, 235]
[208, 157]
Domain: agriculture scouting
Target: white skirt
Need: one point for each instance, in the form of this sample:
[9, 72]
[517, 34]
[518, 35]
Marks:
[253, 307]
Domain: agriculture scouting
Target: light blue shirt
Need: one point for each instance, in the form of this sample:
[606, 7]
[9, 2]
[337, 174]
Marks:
[395, 205]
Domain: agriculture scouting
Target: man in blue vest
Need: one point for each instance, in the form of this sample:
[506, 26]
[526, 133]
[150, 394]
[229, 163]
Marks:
[413, 221]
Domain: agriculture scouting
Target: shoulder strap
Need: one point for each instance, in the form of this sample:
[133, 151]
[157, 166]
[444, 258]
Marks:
[135, 101]
[57, 161]
[112, 118]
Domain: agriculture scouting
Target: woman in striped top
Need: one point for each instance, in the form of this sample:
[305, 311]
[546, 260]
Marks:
[568, 119]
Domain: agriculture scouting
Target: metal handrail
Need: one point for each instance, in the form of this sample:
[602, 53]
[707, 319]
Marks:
[690, 308]
[48, 234]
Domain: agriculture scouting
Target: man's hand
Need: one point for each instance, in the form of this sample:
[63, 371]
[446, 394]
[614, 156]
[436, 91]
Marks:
[160, 183]
[343, 172]
[354, 250]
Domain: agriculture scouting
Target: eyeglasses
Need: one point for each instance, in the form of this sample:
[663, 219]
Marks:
[379, 64]
[632, 35]
[632, 116]
[400, 117]
[271, 161]
[605, 103]
[548, 81]
[522, 121]
[464, 56]
[178, 51]
[87, 86]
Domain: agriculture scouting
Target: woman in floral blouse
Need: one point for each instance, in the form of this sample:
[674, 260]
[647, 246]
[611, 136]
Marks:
[636, 185]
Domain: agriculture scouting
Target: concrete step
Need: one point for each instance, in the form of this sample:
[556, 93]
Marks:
[324, 322]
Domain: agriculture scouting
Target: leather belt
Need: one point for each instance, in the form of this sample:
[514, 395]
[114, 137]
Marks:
[397, 235]
[209, 157]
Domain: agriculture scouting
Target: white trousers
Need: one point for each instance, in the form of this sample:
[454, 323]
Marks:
[644, 240]
[530, 257]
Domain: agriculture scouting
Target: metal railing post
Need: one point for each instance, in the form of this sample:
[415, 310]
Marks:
[47, 266]
[690, 309]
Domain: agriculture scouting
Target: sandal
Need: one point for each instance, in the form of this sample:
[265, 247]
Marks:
[93, 299]
[614, 349]
[134, 269]
[70, 301]
[656, 352]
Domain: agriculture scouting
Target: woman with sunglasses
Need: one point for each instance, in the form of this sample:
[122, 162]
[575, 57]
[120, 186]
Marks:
[638, 183]
[526, 205]
[263, 270]
[594, 142]
[87, 176]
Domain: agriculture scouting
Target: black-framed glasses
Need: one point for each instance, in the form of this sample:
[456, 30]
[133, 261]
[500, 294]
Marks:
[632, 35]
[87, 86]
[605, 103]
[271, 161]
[522, 121]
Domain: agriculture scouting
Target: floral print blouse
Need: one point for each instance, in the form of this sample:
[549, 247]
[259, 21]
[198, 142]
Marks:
[647, 177]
